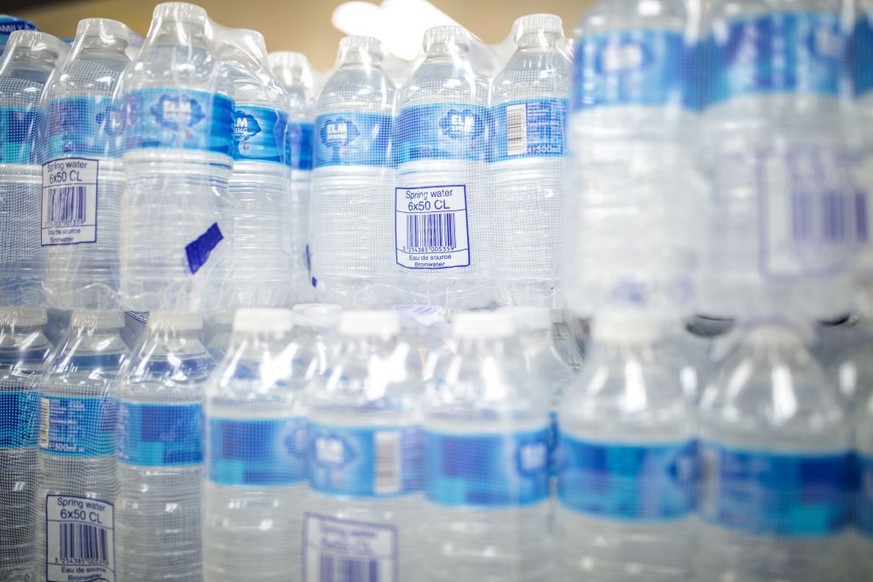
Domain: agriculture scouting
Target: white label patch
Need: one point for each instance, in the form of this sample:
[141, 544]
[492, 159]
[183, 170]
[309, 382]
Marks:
[431, 227]
[69, 201]
[338, 550]
[80, 540]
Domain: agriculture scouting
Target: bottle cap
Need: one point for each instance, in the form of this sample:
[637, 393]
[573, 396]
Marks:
[37, 41]
[107, 29]
[319, 315]
[291, 68]
[23, 317]
[182, 11]
[456, 35]
[529, 318]
[482, 324]
[262, 321]
[546, 23]
[369, 323]
[250, 42]
[626, 329]
[359, 45]
[97, 319]
[175, 321]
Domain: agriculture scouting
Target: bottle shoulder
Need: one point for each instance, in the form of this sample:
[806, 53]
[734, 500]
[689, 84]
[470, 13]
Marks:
[540, 74]
[365, 90]
[445, 82]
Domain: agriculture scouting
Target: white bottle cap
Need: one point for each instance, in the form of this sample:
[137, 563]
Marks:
[382, 324]
[529, 318]
[37, 41]
[97, 319]
[107, 29]
[262, 320]
[482, 324]
[548, 23]
[23, 317]
[318, 315]
[456, 35]
[182, 11]
[626, 329]
[175, 321]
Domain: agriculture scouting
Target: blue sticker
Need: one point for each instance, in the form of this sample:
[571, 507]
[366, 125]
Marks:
[627, 482]
[783, 52]
[529, 129]
[179, 119]
[630, 67]
[198, 250]
[864, 494]
[365, 462]
[18, 419]
[774, 494]
[442, 131]
[78, 427]
[299, 155]
[160, 435]
[502, 470]
[352, 139]
[18, 129]
[83, 126]
[257, 452]
[259, 134]
[862, 55]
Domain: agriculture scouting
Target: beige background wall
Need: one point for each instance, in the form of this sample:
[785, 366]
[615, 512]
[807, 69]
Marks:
[300, 25]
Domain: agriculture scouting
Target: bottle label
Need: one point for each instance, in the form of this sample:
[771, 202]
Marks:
[529, 129]
[630, 67]
[80, 539]
[653, 483]
[77, 427]
[352, 139]
[365, 462]
[430, 227]
[491, 470]
[69, 201]
[864, 494]
[442, 131]
[17, 135]
[257, 452]
[782, 52]
[84, 126]
[259, 134]
[160, 435]
[352, 551]
[774, 494]
[862, 55]
[299, 155]
[18, 419]
[179, 119]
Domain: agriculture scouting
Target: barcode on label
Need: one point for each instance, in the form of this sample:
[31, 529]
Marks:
[825, 218]
[387, 462]
[336, 569]
[431, 231]
[44, 418]
[516, 129]
[81, 542]
[66, 206]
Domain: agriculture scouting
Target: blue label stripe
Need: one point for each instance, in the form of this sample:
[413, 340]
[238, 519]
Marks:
[442, 131]
[257, 452]
[259, 134]
[88, 126]
[160, 435]
[18, 419]
[300, 145]
[78, 427]
[529, 129]
[863, 488]
[18, 134]
[352, 139]
[862, 55]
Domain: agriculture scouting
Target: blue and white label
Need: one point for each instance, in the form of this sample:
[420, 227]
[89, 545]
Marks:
[430, 227]
[529, 129]
[365, 462]
[442, 131]
[627, 482]
[632, 67]
[78, 427]
[84, 126]
[489, 470]
[774, 494]
[80, 539]
[299, 143]
[259, 134]
[782, 52]
[17, 135]
[18, 419]
[862, 55]
[864, 494]
[160, 435]
[336, 550]
[352, 139]
[69, 201]
[257, 452]
[179, 119]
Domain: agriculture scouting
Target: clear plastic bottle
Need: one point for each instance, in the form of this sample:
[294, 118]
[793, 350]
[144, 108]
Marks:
[294, 73]
[529, 110]
[27, 62]
[8, 25]
[81, 197]
[486, 435]
[779, 150]
[256, 457]
[350, 214]
[77, 480]
[636, 196]
[160, 452]
[774, 447]
[313, 344]
[23, 350]
[444, 239]
[861, 559]
[626, 481]
[366, 473]
[177, 158]
[844, 351]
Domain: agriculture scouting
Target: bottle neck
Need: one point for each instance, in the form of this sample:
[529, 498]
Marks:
[538, 40]
[31, 60]
[446, 50]
[101, 45]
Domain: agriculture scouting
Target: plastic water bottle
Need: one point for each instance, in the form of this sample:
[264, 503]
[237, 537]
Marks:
[636, 195]
[780, 152]
[350, 213]
[365, 472]
[862, 556]
[425, 328]
[690, 353]
[23, 350]
[27, 62]
[774, 448]
[486, 435]
[626, 480]
[443, 215]
[178, 138]
[569, 336]
[255, 456]
[313, 346]
[8, 25]
[83, 181]
[160, 453]
[529, 109]
[78, 414]
[843, 350]
[293, 72]
[218, 330]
